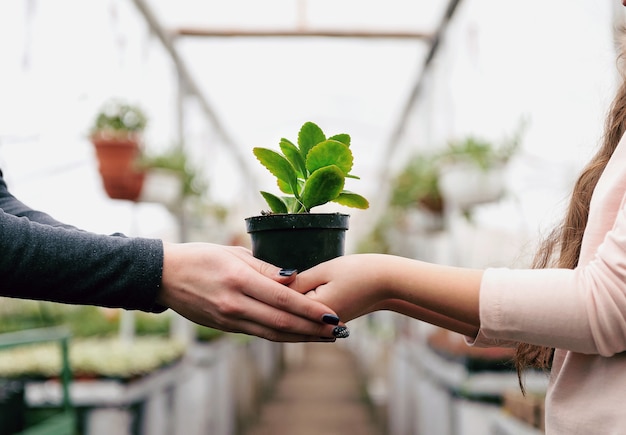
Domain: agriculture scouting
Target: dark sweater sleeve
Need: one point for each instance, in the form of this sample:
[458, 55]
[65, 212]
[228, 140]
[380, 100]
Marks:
[41, 258]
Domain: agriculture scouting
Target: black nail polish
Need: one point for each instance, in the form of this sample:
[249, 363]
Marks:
[330, 319]
[287, 272]
[341, 332]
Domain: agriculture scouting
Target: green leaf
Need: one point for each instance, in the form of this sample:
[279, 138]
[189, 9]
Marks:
[285, 187]
[343, 138]
[276, 204]
[322, 186]
[293, 205]
[292, 153]
[309, 136]
[350, 199]
[278, 165]
[311, 172]
[330, 152]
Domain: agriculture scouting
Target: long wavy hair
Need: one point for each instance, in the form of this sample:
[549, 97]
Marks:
[561, 248]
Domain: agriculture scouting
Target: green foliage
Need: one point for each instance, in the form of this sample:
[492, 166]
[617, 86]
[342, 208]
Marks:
[82, 320]
[116, 115]
[95, 349]
[311, 173]
[18, 314]
[175, 159]
[417, 182]
[97, 357]
[480, 152]
[206, 334]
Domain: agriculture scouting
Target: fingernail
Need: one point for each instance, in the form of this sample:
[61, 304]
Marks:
[330, 319]
[341, 332]
[287, 272]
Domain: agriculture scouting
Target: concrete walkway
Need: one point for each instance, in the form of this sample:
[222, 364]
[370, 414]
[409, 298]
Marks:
[319, 393]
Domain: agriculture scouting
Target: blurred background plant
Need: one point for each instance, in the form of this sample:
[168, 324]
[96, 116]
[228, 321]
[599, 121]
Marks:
[101, 357]
[119, 116]
[176, 160]
[96, 349]
[417, 184]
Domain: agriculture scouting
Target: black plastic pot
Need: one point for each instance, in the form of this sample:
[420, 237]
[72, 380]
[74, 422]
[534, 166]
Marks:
[298, 241]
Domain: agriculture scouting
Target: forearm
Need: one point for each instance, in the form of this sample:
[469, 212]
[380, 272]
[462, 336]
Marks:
[64, 265]
[358, 284]
[420, 313]
[440, 292]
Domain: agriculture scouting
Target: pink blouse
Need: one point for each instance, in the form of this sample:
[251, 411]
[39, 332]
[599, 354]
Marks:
[580, 312]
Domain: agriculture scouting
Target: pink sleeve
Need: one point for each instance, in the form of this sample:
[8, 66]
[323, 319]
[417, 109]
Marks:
[582, 310]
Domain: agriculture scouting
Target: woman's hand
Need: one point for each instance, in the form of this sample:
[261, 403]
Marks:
[353, 285]
[226, 288]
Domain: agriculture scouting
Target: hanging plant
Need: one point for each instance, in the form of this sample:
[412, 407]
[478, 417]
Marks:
[117, 137]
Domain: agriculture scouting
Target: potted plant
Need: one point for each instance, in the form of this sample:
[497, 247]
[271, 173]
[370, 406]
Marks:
[309, 174]
[169, 177]
[417, 184]
[472, 171]
[116, 135]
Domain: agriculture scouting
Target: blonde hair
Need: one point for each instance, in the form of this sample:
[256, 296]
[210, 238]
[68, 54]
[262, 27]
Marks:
[562, 246]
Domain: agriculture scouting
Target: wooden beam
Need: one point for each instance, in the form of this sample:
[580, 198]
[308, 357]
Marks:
[192, 86]
[297, 33]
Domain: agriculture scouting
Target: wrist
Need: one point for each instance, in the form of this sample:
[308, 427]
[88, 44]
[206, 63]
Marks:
[378, 278]
[390, 283]
[163, 296]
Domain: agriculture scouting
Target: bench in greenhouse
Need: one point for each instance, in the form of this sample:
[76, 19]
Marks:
[62, 422]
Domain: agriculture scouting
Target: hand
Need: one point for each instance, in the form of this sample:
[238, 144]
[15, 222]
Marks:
[354, 285]
[349, 284]
[226, 288]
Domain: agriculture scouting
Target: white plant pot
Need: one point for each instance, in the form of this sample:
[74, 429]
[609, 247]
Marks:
[465, 185]
[161, 186]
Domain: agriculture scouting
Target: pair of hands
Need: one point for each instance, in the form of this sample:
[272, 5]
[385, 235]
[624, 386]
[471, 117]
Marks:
[226, 288]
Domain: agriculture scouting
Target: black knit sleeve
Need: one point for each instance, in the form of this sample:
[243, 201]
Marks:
[41, 258]
[44, 262]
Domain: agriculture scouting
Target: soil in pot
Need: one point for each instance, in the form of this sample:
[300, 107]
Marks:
[298, 241]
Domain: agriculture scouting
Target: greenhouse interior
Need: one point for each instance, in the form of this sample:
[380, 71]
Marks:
[467, 124]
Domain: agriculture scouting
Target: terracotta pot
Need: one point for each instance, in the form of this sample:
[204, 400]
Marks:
[432, 203]
[117, 154]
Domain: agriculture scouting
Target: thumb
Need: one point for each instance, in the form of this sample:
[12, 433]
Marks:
[281, 275]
